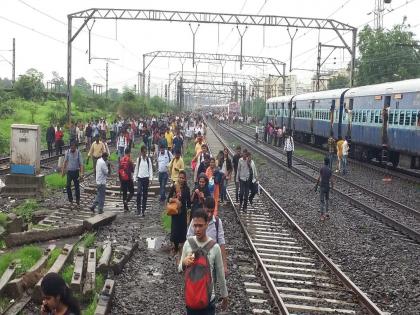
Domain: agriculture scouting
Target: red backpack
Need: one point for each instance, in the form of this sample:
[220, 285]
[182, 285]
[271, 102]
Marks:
[124, 169]
[198, 279]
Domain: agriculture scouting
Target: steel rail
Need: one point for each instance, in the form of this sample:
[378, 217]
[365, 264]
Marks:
[362, 297]
[406, 208]
[378, 215]
[401, 173]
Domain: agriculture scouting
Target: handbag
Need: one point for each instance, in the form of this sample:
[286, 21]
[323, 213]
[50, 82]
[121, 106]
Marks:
[174, 204]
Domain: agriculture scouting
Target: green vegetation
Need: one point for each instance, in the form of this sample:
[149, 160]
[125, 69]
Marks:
[4, 303]
[53, 257]
[26, 257]
[67, 273]
[113, 157]
[2, 244]
[99, 252]
[99, 284]
[3, 219]
[387, 55]
[166, 221]
[55, 181]
[88, 240]
[308, 154]
[26, 209]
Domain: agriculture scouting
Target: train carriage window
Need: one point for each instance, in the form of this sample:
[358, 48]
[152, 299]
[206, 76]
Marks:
[414, 118]
[364, 117]
[372, 117]
[351, 104]
[376, 116]
[396, 117]
[402, 116]
[391, 117]
[407, 118]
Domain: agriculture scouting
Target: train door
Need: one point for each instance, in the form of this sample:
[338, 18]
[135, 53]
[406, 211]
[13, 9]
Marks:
[282, 115]
[348, 111]
[292, 115]
[312, 121]
[385, 115]
[332, 113]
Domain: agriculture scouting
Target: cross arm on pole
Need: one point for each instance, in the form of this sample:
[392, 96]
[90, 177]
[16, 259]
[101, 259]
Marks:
[82, 26]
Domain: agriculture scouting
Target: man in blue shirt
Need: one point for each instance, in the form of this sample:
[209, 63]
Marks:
[73, 163]
[178, 142]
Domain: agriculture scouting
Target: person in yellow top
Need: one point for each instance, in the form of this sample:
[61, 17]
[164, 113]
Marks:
[199, 141]
[339, 153]
[169, 136]
[96, 150]
[176, 165]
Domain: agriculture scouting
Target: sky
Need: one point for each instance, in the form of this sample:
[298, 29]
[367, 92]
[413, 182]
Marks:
[40, 29]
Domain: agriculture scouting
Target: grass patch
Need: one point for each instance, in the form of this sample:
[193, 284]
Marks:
[88, 240]
[90, 310]
[67, 273]
[166, 221]
[99, 282]
[189, 153]
[56, 181]
[99, 252]
[2, 244]
[3, 219]
[4, 303]
[113, 157]
[308, 154]
[26, 209]
[27, 255]
[53, 257]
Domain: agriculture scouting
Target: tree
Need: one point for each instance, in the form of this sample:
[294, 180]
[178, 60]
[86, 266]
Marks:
[113, 94]
[29, 85]
[60, 84]
[338, 82]
[83, 85]
[5, 83]
[387, 55]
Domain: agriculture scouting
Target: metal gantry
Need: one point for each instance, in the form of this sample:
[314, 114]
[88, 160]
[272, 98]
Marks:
[202, 17]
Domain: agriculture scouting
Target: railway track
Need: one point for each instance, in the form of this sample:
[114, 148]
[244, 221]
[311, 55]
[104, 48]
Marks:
[401, 173]
[402, 218]
[300, 278]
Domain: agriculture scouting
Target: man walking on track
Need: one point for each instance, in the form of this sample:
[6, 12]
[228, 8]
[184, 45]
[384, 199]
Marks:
[144, 175]
[242, 177]
[97, 149]
[103, 168]
[289, 147]
[235, 161]
[125, 173]
[73, 163]
[325, 177]
[163, 159]
[203, 265]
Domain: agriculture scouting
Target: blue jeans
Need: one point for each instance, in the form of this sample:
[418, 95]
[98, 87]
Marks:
[73, 176]
[324, 194]
[210, 310]
[142, 190]
[344, 164]
[223, 187]
[100, 198]
[163, 180]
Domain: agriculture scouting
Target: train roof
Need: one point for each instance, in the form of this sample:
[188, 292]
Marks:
[280, 99]
[330, 94]
[405, 86]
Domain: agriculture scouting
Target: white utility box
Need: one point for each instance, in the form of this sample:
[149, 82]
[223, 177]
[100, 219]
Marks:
[25, 149]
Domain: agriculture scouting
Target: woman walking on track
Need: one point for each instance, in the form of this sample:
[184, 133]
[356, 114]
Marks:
[200, 193]
[212, 174]
[181, 191]
[225, 164]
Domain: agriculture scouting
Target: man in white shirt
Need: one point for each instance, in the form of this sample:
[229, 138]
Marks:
[163, 159]
[344, 158]
[103, 168]
[144, 175]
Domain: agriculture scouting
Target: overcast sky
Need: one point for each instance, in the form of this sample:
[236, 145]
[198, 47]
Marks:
[128, 40]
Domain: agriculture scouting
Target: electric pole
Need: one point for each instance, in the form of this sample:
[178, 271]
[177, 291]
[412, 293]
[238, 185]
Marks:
[106, 79]
[14, 63]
